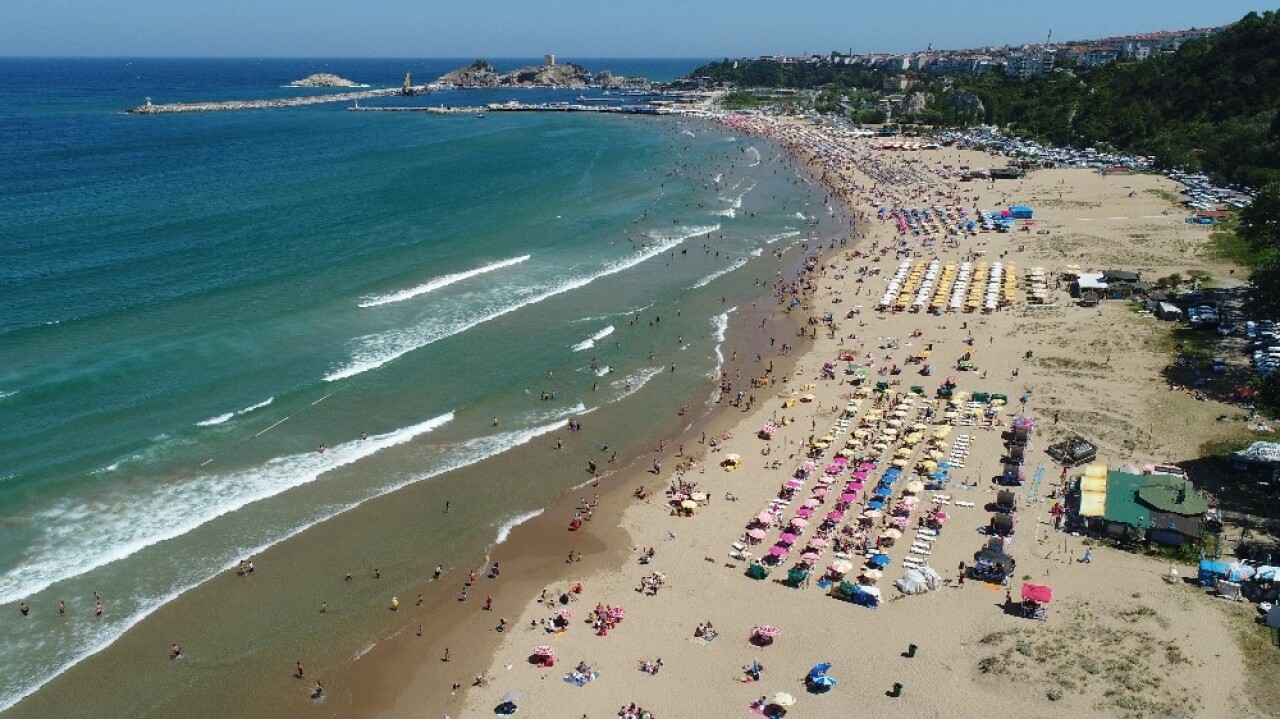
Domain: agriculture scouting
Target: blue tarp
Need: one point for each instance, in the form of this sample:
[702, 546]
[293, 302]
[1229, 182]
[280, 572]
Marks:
[1021, 212]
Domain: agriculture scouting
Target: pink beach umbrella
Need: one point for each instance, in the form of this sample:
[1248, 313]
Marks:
[544, 651]
[809, 556]
[787, 538]
[840, 460]
[794, 484]
[835, 516]
[848, 496]
[799, 522]
[756, 534]
[821, 492]
[817, 542]
[853, 486]
[565, 613]
[776, 551]
[804, 512]
[766, 631]
[833, 469]
[811, 502]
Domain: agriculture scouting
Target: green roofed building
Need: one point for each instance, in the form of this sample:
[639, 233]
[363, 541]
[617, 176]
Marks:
[1162, 508]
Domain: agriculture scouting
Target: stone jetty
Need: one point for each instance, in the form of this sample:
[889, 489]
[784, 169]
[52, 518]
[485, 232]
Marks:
[161, 109]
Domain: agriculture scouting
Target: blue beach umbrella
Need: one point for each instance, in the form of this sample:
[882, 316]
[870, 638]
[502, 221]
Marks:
[879, 561]
[883, 491]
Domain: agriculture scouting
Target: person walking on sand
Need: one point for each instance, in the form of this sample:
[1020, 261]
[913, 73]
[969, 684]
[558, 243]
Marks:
[1088, 556]
[960, 581]
[301, 674]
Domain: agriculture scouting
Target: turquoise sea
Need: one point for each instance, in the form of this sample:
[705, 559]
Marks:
[192, 305]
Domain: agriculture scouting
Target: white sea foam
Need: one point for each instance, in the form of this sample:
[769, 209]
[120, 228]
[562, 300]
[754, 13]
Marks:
[781, 236]
[8, 394]
[756, 252]
[756, 153]
[591, 342]
[504, 530]
[737, 264]
[377, 350]
[141, 519]
[440, 282]
[719, 176]
[225, 417]
[635, 381]
[556, 413]
[686, 132]
[719, 326]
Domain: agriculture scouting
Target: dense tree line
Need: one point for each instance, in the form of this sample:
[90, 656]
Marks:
[1212, 105]
[798, 75]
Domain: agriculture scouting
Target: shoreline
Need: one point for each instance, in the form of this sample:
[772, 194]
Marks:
[226, 595]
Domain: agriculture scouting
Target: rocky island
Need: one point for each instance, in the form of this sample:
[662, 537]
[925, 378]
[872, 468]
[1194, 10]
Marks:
[568, 75]
[324, 79]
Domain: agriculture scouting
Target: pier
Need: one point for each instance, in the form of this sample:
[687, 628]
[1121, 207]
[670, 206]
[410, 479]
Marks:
[526, 107]
[267, 104]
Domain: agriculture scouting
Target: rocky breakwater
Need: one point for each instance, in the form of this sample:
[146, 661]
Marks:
[161, 109]
[324, 79]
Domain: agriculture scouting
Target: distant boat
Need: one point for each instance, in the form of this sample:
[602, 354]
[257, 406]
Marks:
[480, 115]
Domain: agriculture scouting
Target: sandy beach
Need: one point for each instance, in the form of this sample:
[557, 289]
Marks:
[1117, 639]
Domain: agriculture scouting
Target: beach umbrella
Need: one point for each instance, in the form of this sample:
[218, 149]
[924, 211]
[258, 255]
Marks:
[883, 491]
[777, 551]
[544, 651]
[899, 462]
[766, 630]
[756, 534]
[698, 496]
[821, 492]
[903, 452]
[689, 504]
[809, 556]
[818, 542]
[794, 484]
[764, 518]
[804, 512]
[915, 487]
[565, 613]
[891, 534]
[841, 566]
[799, 522]
[936, 455]
[811, 502]
[732, 458]
[783, 699]
[848, 497]
[787, 538]
[879, 561]
[872, 574]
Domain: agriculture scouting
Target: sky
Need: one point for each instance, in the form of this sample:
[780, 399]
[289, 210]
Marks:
[572, 28]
